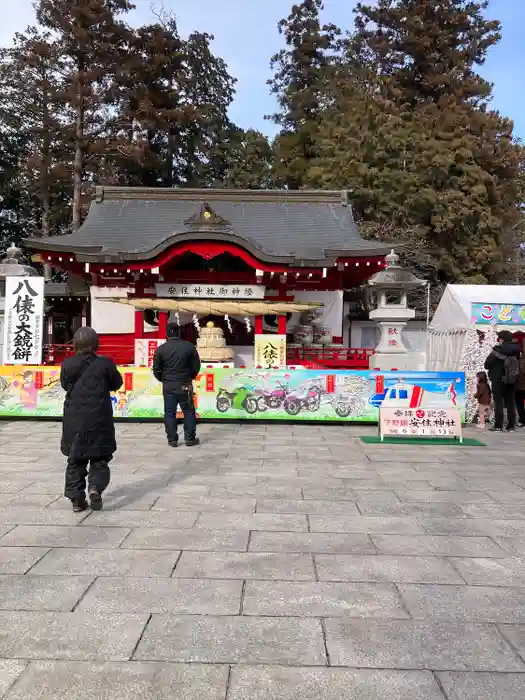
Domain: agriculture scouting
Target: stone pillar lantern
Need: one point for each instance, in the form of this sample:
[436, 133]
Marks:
[11, 266]
[389, 288]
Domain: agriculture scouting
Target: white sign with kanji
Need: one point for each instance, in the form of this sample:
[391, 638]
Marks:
[420, 422]
[210, 291]
[145, 350]
[24, 319]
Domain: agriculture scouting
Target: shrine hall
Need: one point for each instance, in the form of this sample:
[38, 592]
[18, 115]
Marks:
[250, 261]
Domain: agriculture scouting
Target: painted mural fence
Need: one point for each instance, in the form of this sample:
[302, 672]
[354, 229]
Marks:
[240, 394]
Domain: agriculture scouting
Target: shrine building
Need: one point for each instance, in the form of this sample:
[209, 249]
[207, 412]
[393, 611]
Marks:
[245, 259]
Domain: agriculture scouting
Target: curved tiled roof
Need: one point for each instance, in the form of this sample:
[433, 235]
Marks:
[131, 223]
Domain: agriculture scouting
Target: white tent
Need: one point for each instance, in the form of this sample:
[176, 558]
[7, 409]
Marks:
[454, 308]
[453, 318]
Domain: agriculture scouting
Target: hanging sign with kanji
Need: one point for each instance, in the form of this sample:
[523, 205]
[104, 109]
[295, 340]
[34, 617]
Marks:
[210, 291]
[269, 350]
[24, 318]
[419, 422]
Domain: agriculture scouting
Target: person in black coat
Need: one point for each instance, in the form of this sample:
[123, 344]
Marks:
[88, 431]
[503, 391]
[176, 364]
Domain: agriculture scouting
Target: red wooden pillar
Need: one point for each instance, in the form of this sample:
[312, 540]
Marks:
[281, 324]
[163, 324]
[258, 328]
[139, 324]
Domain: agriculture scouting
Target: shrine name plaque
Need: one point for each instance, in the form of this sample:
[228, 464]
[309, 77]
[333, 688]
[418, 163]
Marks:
[420, 423]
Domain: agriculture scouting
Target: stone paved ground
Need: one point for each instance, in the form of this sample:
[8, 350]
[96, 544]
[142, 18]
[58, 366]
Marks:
[272, 563]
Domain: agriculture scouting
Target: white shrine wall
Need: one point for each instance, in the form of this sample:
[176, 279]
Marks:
[112, 319]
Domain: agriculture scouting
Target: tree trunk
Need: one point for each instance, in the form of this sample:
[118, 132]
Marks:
[45, 185]
[45, 168]
[170, 154]
[78, 166]
[45, 174]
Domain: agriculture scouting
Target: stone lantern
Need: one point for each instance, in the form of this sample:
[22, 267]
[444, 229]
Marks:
[389, 288]
[11, 266]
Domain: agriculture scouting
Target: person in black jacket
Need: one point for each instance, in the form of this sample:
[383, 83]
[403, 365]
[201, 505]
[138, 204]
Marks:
[88, 431]
[519, 389]
[176, 363]
[503, 391]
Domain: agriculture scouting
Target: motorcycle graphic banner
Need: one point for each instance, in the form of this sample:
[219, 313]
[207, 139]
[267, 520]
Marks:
[317, 395]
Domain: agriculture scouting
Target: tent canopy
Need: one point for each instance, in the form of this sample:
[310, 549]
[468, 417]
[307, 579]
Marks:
[454, 309]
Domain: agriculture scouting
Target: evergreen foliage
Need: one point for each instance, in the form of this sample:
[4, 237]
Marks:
[394, 110]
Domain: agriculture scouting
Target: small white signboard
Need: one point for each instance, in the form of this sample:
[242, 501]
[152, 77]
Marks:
[210, 291]
[24, 319]
[420, 422]
[145, 350]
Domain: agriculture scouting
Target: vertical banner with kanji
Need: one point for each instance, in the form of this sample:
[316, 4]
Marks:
[269, 350]
[24, 318]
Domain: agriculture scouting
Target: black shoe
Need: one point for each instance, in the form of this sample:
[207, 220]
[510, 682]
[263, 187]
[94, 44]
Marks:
[496, 430]
[79, 506]
[95, 499]
[193, 442]
[511, 430]
[174, 443]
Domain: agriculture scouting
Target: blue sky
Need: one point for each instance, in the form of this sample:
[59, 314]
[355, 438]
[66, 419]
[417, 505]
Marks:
[246, 36]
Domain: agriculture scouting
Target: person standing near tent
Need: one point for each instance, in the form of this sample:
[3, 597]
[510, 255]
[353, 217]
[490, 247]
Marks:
[503, 369]
[519, 393]
[484, 397]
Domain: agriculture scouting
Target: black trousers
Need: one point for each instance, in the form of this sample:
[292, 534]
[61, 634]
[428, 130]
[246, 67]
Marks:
[503, 395]
[76, 472]
[172, 401]
[520, 405]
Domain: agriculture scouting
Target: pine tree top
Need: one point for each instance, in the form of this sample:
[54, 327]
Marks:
[431, 47]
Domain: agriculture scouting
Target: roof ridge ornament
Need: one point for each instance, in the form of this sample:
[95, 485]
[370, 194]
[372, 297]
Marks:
[206, 216]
